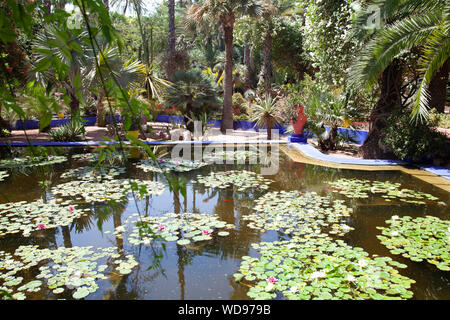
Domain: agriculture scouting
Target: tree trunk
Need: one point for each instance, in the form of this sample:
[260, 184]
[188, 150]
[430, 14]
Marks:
[189, 114]
[247, 65]
[267, 72]
[74, 103]
[227, 114]
[438, 88]
[101, 121]
[171, 63]
[388, 102]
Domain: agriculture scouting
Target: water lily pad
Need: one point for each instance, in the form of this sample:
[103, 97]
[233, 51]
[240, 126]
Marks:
[167, 164]
[242, 180]
[299, 213]
[320, 268]
[108, 190]
[360, 188]
[423, 238]
[27, 217]
[31, 161]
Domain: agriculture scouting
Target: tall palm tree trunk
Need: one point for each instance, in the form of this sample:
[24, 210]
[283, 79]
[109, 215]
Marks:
[227, 114]
[267, 71]
[247, 65]
[438, 88]
[171, 63]
[388, 102]
[101, 121]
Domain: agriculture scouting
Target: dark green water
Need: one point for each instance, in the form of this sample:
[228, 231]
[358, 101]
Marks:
[204, 271]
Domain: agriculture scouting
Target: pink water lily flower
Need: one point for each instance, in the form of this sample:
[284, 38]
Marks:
[161, 227]
[206, 232]
[41, 226]
[271, 279]
[71, 208]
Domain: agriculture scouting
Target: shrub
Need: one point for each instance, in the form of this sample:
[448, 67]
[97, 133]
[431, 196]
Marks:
[71, 131]
[239, 103]
[414, 141]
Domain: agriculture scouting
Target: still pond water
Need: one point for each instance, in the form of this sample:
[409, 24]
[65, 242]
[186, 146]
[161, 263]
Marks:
[203, 269]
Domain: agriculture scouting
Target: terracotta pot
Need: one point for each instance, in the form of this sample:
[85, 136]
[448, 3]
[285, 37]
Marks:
[301, 120]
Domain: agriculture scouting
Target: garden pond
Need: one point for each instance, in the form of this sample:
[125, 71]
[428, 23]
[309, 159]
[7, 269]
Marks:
[71, 230]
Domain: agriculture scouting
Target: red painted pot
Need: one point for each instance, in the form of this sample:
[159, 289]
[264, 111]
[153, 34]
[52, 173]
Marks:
[301, 120]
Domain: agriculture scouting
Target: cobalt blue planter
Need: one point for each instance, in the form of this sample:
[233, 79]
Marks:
[90, 121]
[169, 119]
[297, 138]
[27, 125]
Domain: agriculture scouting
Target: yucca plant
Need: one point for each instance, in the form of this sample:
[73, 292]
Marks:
[266, 114]
[71, 131]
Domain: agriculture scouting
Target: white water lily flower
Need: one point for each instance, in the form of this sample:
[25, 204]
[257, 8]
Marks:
[394, 233]
[270, 286]
[293, 290]
[350, 278]
[317, 274]
[395, 217]
[362, 263]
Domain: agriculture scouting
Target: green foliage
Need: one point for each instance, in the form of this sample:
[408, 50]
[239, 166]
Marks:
[239, 102]
[71, 131]
[414, 141]
[406, 25]
[192, 92]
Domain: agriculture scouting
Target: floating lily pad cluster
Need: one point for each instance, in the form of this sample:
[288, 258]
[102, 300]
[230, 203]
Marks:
[3, 175]
[231, 155]
[95, 156]
[298, 213]
[321, 268]
[167, 164]
[73, 270]
[93, 174]
[241, 179]
[356, 188]
[183, 228]
[423, 238]
[28, 217]
[31, 161]
[109, 189]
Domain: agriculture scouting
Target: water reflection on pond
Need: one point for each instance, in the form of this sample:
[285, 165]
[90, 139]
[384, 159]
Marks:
[204, 269]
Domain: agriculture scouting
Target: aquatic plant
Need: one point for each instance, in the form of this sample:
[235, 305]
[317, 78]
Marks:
[183, 228]
[241, 179]
[93, 174]
[167, 165]
[108, 190]
[423, 238]
[231, 155]
[31, 161]
[359, 189]
[28, 217]
[63, 269]
[299, 213]
[321, 268]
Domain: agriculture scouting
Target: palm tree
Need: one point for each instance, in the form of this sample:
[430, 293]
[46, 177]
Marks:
[62, 54]
[266, 113]
[129, 75]
[195, 92]
[270, 10]
[171, 63]
[224, 12]
[410, 24]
